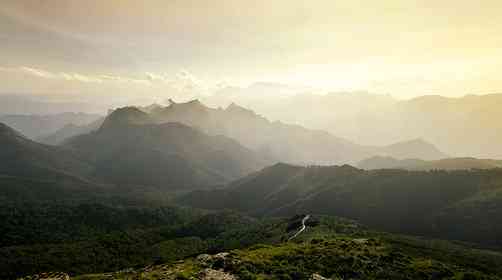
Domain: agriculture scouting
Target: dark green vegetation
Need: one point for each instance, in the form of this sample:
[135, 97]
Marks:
[334, 248]
[342, 258]
[88, 238]
[462, 205]
[53, 222]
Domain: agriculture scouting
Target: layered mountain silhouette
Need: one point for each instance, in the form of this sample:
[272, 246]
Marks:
[39, 126]
[465, 126]
[417, 148]
[68, 131]
[21, 156]
[379, 162]
[284, 142]
[393, 200]
[462, 127]
[130, 148]
[42, 105]
[32, 170]
[276, 140]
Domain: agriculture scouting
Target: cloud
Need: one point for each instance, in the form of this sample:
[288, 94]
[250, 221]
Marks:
[153, 77]
[182, 85]
[38, 72]
[41, 73]
[185, 81]
[79, 77]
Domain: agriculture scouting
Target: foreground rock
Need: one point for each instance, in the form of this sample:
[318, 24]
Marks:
[48, 276]
[316, 276]
[213, 261]
[212, 274]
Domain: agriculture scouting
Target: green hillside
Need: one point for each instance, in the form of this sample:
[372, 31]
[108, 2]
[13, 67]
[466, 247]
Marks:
[417, 202]
[332, 248]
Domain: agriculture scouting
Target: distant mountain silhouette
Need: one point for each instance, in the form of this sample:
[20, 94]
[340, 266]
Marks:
[464, 126]
[276, 140]
[68, 131]
[36, 104]
[379, 162]
[284, 142]
[38, 126]
[459, 126]
[130, 148]
[417, 148]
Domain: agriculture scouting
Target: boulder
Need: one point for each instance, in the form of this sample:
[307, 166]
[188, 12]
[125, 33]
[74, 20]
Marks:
[316, 276]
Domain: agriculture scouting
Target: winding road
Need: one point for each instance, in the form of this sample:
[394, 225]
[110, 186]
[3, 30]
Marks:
[302, 228]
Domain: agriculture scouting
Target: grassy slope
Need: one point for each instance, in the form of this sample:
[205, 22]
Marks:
[338, 249]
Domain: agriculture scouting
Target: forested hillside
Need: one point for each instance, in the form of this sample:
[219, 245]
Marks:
[447, 204]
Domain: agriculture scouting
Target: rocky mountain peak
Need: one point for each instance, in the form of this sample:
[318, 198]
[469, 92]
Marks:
[126, 116]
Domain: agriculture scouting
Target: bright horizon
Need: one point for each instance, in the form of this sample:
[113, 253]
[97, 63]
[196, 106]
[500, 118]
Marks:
[160, 49]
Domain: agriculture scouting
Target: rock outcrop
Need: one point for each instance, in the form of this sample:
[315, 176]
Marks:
[47, 276]
[212, 274]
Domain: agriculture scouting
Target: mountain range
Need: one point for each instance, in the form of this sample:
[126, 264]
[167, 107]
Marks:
[460, 126]
[365, 118]
[44, 104]
[129, 148]
[88, 204]
[285, 142]
[275, 140]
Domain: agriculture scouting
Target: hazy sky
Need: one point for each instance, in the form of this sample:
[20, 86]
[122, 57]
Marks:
[156, 47]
